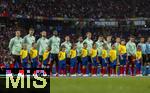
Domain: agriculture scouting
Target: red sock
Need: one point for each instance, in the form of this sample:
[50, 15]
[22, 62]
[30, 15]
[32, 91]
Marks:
[114, 71]
[61, 71]
[20, 65]
[132, 69]
[83, 70]
[104, 70]
[40, 65]
[95, 70]
[138, 71]
[92, 71]
[110, 71]
[121, 70]
[11, 65]
[75, 69]
[71, 70]
[127, 69]
[68, 68]
[64, 71]
[56, 68]
[80, 68]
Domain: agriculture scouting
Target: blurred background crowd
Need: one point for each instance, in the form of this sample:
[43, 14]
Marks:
[117, 9]
[76, 8]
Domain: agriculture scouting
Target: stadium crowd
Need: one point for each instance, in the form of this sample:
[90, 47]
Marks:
[76, 8]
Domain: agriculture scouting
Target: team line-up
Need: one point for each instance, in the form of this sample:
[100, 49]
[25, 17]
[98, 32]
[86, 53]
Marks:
[84, 58]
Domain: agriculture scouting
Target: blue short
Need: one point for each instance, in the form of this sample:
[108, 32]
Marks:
[138, 64]
[73, 62]
[123, 61]
[45, 62]
[104, 62]
[100, 59]
[84, 61]
[35, 62]
[94, 62]
[113, 64]
[25, 63]
[16, 65]
[62, 64]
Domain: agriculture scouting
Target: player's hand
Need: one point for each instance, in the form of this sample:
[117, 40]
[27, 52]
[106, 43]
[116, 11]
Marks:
[121, 57]
[118, 63]
[106, 61]
[49, 62]
[29, 62]
[138, 61]
[97, 59]
[127, 57]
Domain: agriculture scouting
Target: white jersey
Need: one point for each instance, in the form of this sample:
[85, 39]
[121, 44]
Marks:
[99, 45]
[28, 40]
[68, 47]
[42, 45]
[79, 48]
[89, 44]
[15, 45]
[54, 43]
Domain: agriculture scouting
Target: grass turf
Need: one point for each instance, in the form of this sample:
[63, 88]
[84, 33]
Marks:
[100, 85]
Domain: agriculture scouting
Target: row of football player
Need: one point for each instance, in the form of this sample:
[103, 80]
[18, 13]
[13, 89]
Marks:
[105, 60]
[89, 61]
[15, 45]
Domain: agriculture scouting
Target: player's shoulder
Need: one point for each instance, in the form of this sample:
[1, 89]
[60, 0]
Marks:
[26, 36]
[51, 37]
[39, 39]
[21, 38]
[128, 43]
[97, 42]
[33, 37]
[46, 39]
[85, 40]
[12, 38]
[58, 38]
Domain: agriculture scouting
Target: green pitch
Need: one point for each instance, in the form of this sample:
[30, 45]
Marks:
[100, 85]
